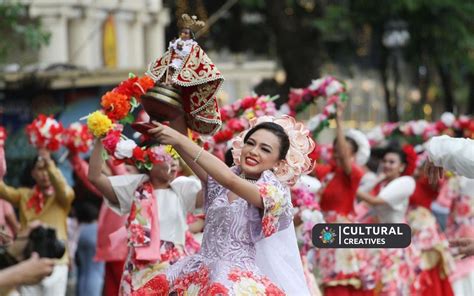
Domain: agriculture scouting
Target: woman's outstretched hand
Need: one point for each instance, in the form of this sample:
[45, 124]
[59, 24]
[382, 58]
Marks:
[165, 134]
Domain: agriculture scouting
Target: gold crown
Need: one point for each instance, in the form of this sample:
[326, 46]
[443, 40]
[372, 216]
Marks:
[192, 22]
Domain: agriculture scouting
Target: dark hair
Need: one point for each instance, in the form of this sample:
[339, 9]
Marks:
[275, 129]
[352, 144]
[26, 179]
[398, 151]
[229, 158]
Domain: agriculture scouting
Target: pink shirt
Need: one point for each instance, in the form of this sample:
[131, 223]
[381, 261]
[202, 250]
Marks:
[108, 223]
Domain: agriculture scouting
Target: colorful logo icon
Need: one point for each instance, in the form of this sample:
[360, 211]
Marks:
[328, 235]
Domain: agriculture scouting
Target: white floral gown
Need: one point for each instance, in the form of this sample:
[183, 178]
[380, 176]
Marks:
[226, 264]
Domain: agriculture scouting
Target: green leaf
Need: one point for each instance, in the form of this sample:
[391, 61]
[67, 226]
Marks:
[127, 119]
[131, 75]
[148, 165]
[139, 165]
[134, 103]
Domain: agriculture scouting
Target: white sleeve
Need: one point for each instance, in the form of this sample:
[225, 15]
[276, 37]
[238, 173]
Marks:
[187, 189]
[124, 187]
[454, 154]
[397, 191]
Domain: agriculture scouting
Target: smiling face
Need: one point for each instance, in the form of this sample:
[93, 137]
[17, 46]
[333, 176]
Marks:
[261, 152]
[392, 165]
[165, 171]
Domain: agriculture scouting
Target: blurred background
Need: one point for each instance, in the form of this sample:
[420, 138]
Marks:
[400, 59]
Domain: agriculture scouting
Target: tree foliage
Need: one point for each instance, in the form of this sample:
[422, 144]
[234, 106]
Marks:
[16, 26]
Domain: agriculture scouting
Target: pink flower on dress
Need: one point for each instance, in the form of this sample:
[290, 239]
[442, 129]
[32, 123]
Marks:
[269, 225]
[463, 209]
[137, 234]
[217, 289]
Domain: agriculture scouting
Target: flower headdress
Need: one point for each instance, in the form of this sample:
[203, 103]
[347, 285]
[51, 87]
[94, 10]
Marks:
[411, 157]
[297, 161]
[45, 132]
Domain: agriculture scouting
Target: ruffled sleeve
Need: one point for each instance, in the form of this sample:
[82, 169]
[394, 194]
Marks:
[454, 154]
[277, 207]
[397, 192]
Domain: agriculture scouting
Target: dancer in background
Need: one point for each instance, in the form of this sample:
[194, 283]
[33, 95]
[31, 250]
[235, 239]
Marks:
[156, 204]
[49, 201]
[340, 269]
[389, 199]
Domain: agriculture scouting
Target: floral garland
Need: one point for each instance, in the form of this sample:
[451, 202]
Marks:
[329, 88]
[107, 124]
[235, 117]
[419, 131]
[45, 132]
[297, 160]
[77, 138]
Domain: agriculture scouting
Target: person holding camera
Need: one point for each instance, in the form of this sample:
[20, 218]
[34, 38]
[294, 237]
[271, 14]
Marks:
[16, 269]
[49, 201]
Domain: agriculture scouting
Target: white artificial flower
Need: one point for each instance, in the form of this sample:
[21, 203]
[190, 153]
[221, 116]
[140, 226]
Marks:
[315, 84]
[333, 88]
[448, 119]
[124, 149]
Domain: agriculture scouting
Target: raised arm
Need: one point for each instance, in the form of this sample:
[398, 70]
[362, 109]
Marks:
[194, 155]
[63, 192]
[95, 175]
[341, 142]
[180, 125]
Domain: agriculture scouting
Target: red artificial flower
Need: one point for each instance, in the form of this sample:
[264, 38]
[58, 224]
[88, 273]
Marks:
[116, 105]
[248, 102]
[223, 136]
[411, 157]
[236, 125]
[110, 141]
[50, 139]
[155, 159]
[146, 83]
[126, 87]
[139, 154]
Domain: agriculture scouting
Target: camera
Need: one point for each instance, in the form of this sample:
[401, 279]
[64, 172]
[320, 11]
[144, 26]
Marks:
[43, 240]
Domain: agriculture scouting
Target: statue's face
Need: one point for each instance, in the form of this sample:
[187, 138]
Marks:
[185, 34]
